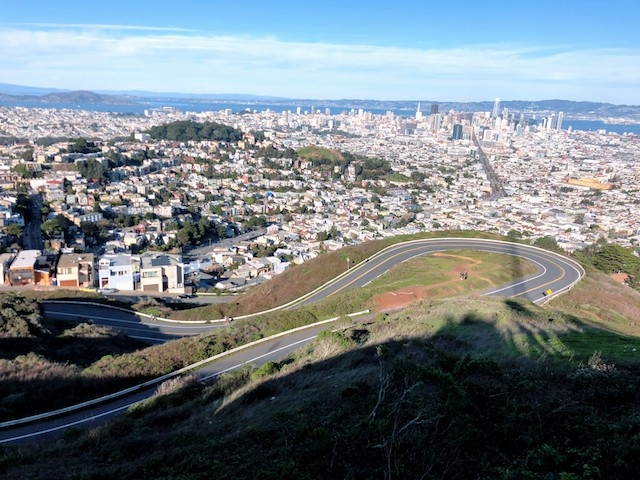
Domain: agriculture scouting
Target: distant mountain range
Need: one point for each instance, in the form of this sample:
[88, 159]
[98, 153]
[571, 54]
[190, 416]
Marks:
[17, 94]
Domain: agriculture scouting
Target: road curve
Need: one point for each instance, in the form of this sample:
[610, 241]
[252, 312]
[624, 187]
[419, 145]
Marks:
[554, 272]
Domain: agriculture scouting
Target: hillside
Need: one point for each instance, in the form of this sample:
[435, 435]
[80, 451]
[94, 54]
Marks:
[472, 387]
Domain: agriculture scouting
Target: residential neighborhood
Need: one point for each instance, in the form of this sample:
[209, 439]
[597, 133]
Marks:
[98, 200]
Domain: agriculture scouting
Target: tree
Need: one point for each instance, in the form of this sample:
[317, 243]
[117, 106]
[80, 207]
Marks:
[22, 170]
[81, 145]
[14, 230]
[255, 223]
[215, 209]
[93, 169]
[57, 225]
[188, 233]
[548, 243]
[27, 154]
[221, 229]
[322, 236]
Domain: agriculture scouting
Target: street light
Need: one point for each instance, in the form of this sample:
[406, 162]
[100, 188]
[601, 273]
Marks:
[348, 263]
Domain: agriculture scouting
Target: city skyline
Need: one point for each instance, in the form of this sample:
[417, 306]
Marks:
[328, 51]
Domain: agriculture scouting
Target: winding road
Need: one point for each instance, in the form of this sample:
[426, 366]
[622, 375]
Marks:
[554, 272]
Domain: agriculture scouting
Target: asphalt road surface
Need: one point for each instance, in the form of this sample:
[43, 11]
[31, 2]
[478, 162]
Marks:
[554, 272]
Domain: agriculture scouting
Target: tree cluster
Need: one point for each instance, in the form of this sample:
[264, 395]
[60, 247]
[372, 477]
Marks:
[610, 258]
[186, 130]
[93, 169]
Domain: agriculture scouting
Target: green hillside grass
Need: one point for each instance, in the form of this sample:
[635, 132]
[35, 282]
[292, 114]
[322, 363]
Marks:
[471, 387]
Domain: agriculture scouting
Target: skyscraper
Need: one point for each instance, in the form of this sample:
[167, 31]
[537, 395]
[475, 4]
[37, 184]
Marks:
[418, 112]
[435, 109]
[496, 108]
[560, 117]
[457, 131]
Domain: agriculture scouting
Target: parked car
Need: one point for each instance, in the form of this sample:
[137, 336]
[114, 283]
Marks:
[104, 291]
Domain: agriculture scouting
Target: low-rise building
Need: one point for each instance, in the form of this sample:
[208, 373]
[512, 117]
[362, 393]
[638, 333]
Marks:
[161, 273]
[116, 271]
[76, 270]
[5, 262]
[22, 270]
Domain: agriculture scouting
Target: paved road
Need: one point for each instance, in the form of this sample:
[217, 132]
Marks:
[136, 326]
[32, 235]
[553, 272]
[268, 351]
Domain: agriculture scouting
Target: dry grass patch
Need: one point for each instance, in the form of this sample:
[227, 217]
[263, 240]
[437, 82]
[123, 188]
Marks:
[604, 302]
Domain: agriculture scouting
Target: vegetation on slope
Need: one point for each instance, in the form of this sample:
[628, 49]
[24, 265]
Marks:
[44, 363]
[464, 388]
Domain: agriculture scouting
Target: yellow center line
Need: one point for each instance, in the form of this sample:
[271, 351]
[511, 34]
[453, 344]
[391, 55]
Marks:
[564, 272]
[378, 265]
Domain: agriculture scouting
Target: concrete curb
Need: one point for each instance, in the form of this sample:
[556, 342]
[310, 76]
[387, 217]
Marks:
[155, 381]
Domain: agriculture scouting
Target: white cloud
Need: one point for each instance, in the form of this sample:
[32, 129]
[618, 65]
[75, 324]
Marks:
[129, 57]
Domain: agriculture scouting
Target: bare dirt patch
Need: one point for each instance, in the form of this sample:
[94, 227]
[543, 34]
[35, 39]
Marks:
[407, 295]
[620, 277]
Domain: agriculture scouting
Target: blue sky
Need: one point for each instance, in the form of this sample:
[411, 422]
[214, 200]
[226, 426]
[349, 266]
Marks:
[443, 51]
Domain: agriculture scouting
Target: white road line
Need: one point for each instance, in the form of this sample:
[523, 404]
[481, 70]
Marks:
[93, 417]
[117, 320]
[256, 358]
[66, 425]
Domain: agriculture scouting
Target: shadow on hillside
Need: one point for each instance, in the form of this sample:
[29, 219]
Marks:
[526, 340]
[42, 387]
[42, 369]
[80, 351]
[385, 406]
[515, 261]
[518, 307]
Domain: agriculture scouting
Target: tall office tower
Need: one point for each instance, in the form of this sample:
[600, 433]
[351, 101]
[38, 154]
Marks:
[496, 108]
[437, 120]
[327, 112]
[559, 124]
[551, 121]
[457, 132]
[435, 109]
[418, 112]
[505, 114]
[298, 110]
[313, 109]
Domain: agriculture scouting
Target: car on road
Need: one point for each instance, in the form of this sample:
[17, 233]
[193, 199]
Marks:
[186, 295]
[107, 290]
